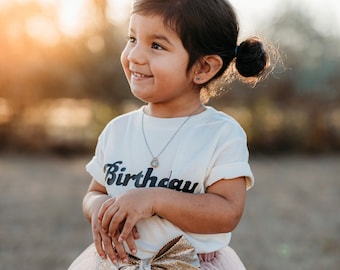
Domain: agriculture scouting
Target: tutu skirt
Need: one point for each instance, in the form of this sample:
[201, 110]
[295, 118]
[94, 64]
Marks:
[224, 259]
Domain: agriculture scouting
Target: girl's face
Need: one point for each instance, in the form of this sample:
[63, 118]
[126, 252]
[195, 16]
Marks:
[155, 63]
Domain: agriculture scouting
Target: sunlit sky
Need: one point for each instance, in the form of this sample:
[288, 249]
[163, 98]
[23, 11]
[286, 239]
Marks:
[251, 13]
[73, 14]
[324, 13]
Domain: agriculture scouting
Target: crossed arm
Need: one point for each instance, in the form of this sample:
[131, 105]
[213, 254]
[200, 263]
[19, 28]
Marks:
[113, 219]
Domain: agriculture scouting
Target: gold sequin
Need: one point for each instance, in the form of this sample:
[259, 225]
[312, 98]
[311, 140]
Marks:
[178, 254]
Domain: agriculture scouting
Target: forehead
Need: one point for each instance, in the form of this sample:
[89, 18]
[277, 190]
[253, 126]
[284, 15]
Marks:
[152, 24]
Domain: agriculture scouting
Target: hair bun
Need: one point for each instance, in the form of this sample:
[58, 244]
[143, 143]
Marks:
[251, 58]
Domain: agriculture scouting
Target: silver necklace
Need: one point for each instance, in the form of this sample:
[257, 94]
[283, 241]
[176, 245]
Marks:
[155, 162]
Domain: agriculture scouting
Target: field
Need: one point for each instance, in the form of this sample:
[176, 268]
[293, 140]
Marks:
[291, 221]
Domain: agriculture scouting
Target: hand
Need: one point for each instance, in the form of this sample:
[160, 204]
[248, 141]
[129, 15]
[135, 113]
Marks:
[107, 245]
[119, 248]
[102, 240]
[118, 216]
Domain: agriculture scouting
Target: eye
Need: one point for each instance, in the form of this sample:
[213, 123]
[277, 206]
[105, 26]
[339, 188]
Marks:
[156, 46]
[132, 39]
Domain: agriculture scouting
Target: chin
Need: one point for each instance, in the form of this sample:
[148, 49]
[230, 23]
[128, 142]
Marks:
[141, 96]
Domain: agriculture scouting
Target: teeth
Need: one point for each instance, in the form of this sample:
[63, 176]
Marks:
[139, 75]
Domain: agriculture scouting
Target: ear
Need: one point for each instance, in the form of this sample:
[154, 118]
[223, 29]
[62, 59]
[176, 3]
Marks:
[206, 68]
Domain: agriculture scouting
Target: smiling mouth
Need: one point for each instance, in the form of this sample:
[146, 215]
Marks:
[140, 75]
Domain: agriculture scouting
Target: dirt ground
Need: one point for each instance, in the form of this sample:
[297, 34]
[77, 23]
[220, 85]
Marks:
[291, 221]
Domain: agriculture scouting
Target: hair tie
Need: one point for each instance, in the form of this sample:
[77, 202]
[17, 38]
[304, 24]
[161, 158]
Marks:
[236, 50]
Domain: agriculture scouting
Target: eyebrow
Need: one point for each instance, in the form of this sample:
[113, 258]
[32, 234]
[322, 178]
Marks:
[161, 37]
[157, 36]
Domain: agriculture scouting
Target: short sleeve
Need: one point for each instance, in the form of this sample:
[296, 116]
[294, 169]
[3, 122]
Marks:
[96, 165]
[232, 162]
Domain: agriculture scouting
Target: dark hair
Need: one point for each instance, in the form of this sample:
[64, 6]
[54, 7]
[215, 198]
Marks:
[209, 27]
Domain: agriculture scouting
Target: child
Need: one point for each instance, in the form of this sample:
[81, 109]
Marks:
[170, 179]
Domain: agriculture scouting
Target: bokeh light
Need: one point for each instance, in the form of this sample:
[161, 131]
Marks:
[61, 52]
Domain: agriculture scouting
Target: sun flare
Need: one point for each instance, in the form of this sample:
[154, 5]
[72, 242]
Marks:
[70, 16]
[76, 15]
[119, 10]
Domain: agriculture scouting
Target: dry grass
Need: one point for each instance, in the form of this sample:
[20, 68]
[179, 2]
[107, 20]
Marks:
[291, 220]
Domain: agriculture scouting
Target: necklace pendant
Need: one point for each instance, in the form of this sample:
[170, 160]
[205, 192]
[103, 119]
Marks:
[154, 162]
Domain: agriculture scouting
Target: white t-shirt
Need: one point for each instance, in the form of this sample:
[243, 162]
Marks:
[209, 147]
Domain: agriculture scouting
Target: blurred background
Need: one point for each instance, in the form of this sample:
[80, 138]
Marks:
[61, 82]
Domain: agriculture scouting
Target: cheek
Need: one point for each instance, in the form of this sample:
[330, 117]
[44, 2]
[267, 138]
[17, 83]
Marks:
[171, 72]
[125, 63]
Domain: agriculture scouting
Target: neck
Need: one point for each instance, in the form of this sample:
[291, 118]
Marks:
[166, 112]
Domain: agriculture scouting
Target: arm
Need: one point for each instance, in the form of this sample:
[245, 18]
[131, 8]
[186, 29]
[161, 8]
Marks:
[219, 210]
[96, 195]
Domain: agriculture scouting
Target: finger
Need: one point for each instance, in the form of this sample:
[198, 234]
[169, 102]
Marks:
[109, 215]
[99, 245]
[120, 249]
[104, 207]
[129, 224]
[135, 233]
[130, 241]
[116, 223]
[109, 248]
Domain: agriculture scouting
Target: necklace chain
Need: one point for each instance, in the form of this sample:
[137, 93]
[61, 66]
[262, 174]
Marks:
[154, 162]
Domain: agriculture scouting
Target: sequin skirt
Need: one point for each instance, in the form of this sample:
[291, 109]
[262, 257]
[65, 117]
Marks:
[177, 254]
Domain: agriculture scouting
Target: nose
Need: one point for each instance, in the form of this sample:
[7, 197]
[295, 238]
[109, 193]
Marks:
[137, 55]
